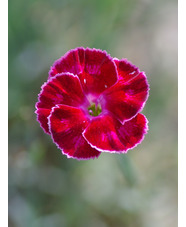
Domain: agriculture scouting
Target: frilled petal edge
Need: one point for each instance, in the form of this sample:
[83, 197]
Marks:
[42, 115]
[101, 134]
[106, 134]
[132, 132]
[66, 126]
[95, 68]
[126, 70]
[128, 96]
[64, 88]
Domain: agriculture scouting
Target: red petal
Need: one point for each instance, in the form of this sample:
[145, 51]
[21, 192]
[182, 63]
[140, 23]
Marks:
[42, 115]
[107, 134]
[132, 132]
[102, 135]
[64, 88]
[126, 70]
[66, 127]
[72, 62]
[95, 68]
[127, 97]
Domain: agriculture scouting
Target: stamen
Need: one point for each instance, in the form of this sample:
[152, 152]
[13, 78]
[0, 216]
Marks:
[94, 110]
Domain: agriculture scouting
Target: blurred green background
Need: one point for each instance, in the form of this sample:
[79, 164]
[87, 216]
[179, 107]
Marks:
[135, 190]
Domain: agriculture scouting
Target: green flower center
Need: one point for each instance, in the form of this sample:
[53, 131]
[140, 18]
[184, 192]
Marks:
[94, 110]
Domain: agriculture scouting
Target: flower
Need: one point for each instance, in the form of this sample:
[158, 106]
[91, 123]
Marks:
[91, 103]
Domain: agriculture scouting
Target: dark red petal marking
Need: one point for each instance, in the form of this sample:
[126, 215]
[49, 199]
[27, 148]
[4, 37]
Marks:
[108, 134]
[64, 88]
[42, 115]
[95, 68]
[127, 97]
[101, 134]
[126, 70]
[72, 62]
[66, 126]
[132, 132]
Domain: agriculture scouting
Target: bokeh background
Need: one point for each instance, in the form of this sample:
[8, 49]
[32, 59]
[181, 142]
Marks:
[135, 190]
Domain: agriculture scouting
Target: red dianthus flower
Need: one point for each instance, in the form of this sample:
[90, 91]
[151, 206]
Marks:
[91, 103]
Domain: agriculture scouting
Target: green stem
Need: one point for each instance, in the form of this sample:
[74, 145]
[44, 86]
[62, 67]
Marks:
[127, 169]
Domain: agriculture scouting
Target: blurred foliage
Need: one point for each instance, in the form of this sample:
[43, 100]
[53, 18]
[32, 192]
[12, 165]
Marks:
[134, 190]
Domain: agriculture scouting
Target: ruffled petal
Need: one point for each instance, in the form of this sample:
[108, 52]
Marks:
[109, 135]
[66, 126]
[64, 88]
[72, 62]
[95, 68]
[127, 97]
[132, 132]
[126, 70]
[42, 115]
[101, 134]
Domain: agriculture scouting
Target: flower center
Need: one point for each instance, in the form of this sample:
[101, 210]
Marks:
[94, 110]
